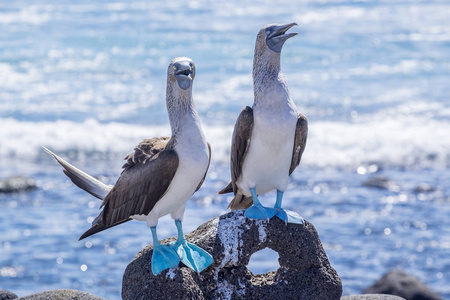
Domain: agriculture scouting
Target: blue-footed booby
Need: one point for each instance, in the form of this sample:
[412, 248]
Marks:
[269, 138]
[159, 177]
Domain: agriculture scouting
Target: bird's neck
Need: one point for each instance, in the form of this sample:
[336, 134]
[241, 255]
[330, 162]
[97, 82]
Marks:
[184, 119]
[269, 86]
[267, 62]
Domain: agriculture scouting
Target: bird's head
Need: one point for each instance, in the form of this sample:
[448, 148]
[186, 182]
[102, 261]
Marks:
[181, 70]
[273, 36]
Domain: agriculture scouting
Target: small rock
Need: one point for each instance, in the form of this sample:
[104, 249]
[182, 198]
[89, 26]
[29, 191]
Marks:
[424, 188]
[62, 295]
[7, 295]
[399, 283]
[383, 183]
[304, 273]
[372, 297]
[16, 184]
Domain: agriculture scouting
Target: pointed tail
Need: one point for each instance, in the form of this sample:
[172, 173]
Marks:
[84, 181]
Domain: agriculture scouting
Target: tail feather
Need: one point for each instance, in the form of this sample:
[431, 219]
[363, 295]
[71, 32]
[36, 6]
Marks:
[84, 181]
[227, 189]
[240, 201]
[97, 227]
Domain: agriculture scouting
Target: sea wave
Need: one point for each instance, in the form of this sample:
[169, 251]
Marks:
[387, 140]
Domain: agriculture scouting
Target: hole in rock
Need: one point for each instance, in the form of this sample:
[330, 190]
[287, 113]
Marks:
[263, 261]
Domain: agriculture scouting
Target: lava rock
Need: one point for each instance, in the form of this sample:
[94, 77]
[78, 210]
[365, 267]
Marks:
[399, 283]
[16, 184]
[62, 295]
[304, 273]
[372, 297]
[424, 188]
[382, 183]
[7, 295]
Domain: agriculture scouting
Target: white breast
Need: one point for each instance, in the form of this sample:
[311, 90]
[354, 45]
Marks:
[193, 156]
[266, 165]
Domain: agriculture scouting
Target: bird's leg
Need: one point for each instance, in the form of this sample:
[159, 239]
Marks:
[257, 211]
[191, 255]
[163, 256]
[288, 216]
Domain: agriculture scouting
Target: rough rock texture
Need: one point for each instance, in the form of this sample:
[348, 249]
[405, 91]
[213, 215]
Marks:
[16, 184]
[7, 295]
[372, 297]
[62, 295]
[304, 273]
[398, 283]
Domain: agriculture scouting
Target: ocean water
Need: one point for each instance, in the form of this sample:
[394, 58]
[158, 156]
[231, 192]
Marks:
[87, 79]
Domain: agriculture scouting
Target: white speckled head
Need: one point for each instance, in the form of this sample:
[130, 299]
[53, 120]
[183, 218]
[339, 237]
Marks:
[273, 36]
[269, 42]
[181, 70]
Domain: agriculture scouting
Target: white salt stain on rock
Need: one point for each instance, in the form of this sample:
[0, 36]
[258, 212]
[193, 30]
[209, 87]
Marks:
[261, 230]
[230, 231]
[171, 273]
[230, 236]
[225, 290]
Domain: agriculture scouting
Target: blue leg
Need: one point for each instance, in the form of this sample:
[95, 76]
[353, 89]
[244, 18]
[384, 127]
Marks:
[257, 211]
[191, 255]
[163, 256]
[288, 216]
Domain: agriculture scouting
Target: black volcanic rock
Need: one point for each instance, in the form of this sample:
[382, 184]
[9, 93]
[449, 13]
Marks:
[372, 297]
[62, 295]
[304, 273]
[16, 184]
[7, 295]
[382, 183]
[399, 283]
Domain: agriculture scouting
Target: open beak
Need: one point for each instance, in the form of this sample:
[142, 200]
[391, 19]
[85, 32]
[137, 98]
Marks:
[276, 36]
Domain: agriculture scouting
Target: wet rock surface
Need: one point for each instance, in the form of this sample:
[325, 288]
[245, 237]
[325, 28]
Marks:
[304, 273]
[399, 283]
[62, 295]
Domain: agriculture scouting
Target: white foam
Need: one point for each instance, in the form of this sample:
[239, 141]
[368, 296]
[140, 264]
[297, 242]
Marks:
[400, 137]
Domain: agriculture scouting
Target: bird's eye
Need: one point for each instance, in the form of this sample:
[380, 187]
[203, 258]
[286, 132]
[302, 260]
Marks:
[174, 67]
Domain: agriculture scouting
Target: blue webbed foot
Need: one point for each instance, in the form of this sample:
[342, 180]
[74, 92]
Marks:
[257, 211]
[289, 216]
[260, 212]
[192, 256]
[163, 258]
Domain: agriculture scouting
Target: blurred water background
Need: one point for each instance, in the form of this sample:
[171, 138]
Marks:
[87, 79]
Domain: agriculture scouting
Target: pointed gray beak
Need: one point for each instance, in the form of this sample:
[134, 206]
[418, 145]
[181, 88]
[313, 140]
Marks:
[276, 36]
[184, 74]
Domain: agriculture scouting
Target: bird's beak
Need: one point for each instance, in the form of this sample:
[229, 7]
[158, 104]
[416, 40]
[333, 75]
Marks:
[183, 74]
[276, 36]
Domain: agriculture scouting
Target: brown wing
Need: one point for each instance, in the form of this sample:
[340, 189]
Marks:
[203, 179]
[301, 133]
[145, 150]
[239, 147]
[142, 183]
